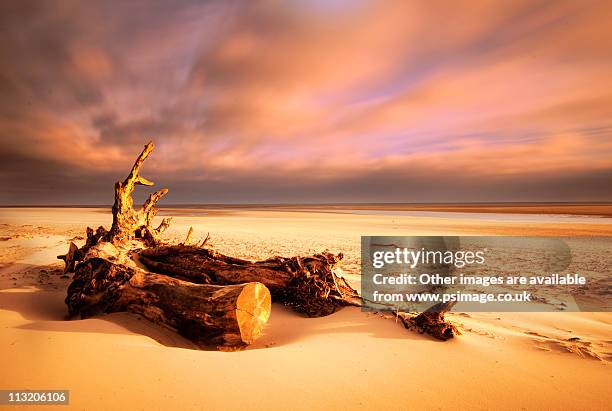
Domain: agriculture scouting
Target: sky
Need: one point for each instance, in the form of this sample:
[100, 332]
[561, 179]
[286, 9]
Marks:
[307, 101]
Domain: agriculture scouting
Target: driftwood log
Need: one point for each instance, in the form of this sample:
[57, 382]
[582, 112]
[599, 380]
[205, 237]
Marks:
[213, 299]
[307, 284]
[210, 315]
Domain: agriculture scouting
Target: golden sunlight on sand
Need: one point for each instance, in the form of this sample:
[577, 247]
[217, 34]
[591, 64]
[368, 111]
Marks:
[348, 360]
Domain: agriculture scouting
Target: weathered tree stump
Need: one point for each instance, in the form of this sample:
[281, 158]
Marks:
[107, 279]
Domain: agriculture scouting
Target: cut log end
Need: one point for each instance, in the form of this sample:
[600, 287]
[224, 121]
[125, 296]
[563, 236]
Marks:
[253, 308]
[212, 316]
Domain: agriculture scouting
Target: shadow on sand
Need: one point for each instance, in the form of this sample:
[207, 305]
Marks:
[45, 310]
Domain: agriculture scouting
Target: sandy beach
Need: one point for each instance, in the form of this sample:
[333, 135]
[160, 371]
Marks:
[374, 205]
[348, 360]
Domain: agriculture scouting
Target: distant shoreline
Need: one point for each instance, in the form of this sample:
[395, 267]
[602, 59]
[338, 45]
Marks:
[603, 209]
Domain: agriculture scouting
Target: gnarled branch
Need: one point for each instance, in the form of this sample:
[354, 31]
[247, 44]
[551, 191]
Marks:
[129, 223]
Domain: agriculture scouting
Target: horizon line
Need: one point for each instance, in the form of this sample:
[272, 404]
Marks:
[246, 204]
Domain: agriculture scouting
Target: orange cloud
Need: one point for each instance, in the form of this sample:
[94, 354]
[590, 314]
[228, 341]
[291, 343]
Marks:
[312, 95]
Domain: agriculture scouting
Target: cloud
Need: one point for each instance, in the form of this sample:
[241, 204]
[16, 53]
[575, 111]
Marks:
[282, 101]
